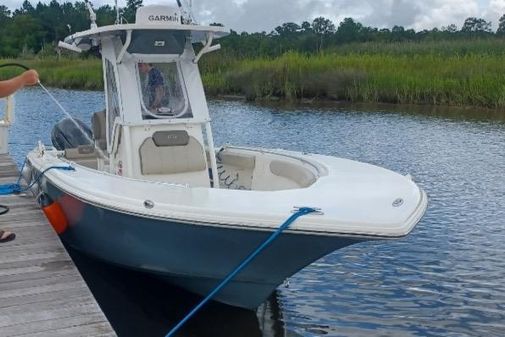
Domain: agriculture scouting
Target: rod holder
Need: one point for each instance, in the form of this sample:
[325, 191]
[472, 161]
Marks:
[69, 46]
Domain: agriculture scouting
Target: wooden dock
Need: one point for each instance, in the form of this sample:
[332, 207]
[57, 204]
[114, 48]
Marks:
[41, 291]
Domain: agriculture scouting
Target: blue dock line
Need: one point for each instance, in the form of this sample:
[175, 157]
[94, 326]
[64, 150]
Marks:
[298, 213]
[15, 188]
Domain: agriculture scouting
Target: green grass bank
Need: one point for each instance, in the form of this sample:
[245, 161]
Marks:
[441, 73]
[474, 80]
[70, 73]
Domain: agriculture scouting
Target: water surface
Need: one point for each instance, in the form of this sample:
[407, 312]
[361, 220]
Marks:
[445, 279]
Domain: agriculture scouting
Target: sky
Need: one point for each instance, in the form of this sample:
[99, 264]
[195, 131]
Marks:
[265, 15]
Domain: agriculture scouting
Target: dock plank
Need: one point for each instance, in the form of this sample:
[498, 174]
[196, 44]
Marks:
[41, 291]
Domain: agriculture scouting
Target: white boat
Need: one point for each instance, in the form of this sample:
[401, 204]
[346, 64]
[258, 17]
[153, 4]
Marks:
[152, 193]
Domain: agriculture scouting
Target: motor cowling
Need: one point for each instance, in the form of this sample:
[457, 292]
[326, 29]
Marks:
[69, 134]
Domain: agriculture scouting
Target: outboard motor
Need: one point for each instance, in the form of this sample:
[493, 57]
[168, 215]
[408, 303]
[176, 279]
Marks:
[66, 134]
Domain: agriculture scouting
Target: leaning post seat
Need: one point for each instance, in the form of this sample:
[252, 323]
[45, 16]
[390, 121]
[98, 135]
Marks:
[85, 155]
[99, 129]
[176, 155]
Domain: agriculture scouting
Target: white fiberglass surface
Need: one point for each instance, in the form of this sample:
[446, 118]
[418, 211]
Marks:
[350, 193]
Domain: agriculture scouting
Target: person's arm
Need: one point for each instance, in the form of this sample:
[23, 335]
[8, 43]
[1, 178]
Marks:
[8, 87]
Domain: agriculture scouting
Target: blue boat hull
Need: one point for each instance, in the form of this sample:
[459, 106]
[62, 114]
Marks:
[193, 256]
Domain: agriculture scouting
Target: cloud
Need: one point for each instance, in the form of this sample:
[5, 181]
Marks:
[11, 4]
[494, 11]
[437, 13]
[265, 15]
[254, 15]
[257, 15]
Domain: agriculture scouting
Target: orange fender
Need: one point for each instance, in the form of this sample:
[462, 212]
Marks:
[54, 213]
[56, 217]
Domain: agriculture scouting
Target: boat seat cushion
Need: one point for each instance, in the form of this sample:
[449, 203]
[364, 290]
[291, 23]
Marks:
[84, 155]
[238, 160]
[171, 159]
[171, 138]
[82, 151]
[99, 129]
[291, 171]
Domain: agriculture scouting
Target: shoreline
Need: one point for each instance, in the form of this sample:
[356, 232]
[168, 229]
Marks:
[472, 112]
[390, 107]
[468, 82]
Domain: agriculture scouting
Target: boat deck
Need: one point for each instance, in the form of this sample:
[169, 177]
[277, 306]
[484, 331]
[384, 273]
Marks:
[41, 291]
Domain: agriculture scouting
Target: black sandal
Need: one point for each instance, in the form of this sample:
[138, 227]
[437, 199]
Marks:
[6, 236]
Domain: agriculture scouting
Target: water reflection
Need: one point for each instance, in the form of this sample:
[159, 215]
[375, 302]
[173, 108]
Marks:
[460, 113]
[137, 304]
[445, 279]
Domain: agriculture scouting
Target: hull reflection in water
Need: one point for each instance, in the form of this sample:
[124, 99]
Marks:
[137, 304]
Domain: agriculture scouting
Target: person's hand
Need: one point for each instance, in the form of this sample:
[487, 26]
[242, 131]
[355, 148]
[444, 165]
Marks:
[30, 77]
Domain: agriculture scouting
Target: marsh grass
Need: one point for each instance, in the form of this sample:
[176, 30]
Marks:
[74, 73]
[456, 47]
[472, 79]
[461, 73]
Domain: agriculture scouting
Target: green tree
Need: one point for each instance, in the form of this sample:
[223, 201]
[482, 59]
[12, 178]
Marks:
[4, 12]
[105, 15]
[5, 18]
[131, 9]
[26, 8]
[348, 31]
[476, 25]
[288, 28]
[501, 26]
[24, 35]
[452, 28]
[323, 28]
[306, 27]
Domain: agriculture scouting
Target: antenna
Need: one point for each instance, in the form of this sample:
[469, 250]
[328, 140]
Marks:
[187, 11]
[117, 12]
[92, 15]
